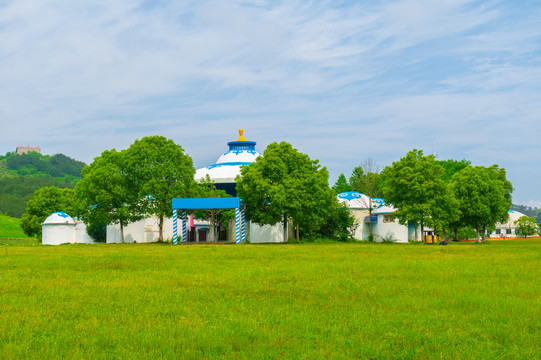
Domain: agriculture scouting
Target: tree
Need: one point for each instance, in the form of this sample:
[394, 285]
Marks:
[161, 171]
[43, 203]
[107, 194]
[484, 196]
[366, 180]
[414, 186]
[285, 184]
[526, 226]
[341, 184]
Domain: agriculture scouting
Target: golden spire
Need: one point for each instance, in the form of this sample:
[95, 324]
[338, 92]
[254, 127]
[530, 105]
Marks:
[241, 138]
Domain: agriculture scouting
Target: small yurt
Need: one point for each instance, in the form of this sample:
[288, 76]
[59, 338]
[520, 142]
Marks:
[58, 228]
[387, 228]
[359, 205]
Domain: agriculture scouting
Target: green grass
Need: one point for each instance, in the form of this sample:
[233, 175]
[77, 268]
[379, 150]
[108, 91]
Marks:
[310, 301]
[9, 227]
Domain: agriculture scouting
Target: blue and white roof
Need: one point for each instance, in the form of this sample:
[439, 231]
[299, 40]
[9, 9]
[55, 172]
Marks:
[354, 200]
[513, 216]
[226, 169]
[59, 218]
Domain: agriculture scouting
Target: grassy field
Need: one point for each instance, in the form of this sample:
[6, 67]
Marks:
[9, 227]
[311, 301]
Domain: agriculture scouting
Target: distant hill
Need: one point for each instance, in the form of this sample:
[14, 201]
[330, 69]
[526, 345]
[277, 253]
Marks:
[21, 175]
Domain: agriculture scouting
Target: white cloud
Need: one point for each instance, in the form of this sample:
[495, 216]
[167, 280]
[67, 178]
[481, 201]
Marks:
[340, 80]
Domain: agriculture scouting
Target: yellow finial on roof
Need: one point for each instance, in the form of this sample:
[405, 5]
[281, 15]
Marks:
[241, 138]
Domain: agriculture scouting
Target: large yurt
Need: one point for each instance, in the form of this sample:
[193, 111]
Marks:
[58, 228]
[228, 165]
[224, 172]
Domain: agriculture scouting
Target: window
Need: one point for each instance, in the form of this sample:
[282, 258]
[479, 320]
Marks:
[508, 231]
[498, 231]
[388, 218]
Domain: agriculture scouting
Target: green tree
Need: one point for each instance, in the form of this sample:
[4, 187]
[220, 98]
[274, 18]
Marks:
[107, 194]
[285, 184]
[414, 186]
[526, 226]
[484, 196]
[341, 184]
[366, 180]
[43, 203]
[161, 171]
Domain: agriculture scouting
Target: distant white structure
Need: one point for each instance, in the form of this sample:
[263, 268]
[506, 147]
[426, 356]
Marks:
[507, 229]
[385, 227]
[60, 228]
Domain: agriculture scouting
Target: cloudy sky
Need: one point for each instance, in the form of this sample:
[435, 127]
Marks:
[342, 81]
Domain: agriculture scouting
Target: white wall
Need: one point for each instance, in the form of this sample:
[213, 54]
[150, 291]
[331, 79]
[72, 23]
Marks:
[384, 230]
[56, 234]
[257, 234]
[81, 236]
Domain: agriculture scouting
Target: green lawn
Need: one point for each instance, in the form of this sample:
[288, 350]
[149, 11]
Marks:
[310, 301]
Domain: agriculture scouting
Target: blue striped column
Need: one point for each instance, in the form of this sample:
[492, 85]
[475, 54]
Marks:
[184, 239]
[175, 232]
[237, 225]
[242, 225]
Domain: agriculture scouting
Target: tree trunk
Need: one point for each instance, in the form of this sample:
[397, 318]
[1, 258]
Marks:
[285, 228]
[484, 233]
[298, 235]
[477, 231]
[456, 234]
[160, 225]
[444, 234]
[422, 230]
[121, 232]
[370, 237]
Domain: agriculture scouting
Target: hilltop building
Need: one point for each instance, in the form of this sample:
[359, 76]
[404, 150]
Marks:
[27, 149]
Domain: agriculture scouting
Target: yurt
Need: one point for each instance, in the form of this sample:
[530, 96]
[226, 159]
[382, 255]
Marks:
[58, 228]
[387, 228]
[359, 205]
[507, 229]
[224, 172]
[228, 165]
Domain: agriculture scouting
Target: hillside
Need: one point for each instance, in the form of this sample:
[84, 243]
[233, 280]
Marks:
[21, 175]
[9, 227]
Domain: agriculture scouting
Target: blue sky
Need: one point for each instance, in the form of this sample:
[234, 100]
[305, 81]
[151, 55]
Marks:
[340, 80]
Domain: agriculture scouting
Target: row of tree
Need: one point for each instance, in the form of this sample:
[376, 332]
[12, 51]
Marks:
[285, 186]
[444, 195]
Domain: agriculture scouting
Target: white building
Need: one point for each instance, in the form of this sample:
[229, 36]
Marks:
[60, 228]
[223, 173]
[385, 227]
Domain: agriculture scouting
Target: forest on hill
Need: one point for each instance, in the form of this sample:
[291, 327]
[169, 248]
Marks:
[21, 175]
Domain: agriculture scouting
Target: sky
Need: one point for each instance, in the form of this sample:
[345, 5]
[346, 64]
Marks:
[342, 81]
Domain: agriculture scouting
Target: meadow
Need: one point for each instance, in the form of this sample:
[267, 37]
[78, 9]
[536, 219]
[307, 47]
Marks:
[309, 301]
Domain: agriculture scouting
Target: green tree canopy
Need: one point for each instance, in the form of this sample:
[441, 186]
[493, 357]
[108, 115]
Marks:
[107, 194]
[414, 186]
[483, 195]
[285, 184]
[341, 184]
[161, 171]
[526, 226]
[43, 203]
